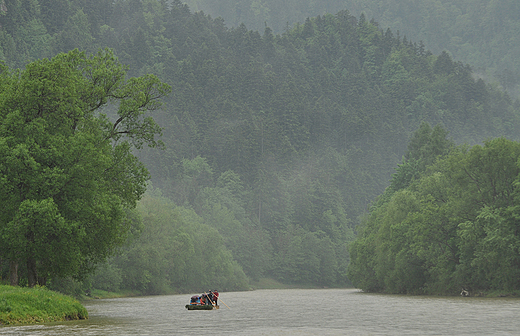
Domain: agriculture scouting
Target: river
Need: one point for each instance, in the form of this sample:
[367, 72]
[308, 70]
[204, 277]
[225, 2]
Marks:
[292, 312]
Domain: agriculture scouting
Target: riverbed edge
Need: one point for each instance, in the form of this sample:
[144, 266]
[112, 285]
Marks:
[23, 305]
[269, 283]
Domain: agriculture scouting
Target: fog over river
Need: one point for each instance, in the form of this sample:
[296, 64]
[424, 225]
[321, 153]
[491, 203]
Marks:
[292, 312]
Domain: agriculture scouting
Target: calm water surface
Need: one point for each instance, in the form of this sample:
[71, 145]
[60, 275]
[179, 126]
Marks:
[292, 312]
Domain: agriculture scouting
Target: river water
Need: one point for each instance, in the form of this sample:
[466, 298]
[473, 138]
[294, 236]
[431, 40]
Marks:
[292, 312]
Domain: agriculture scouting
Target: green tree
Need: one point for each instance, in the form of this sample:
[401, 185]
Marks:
[490, 237]
[176, 250]
[75, 34]
[455, 226]
[425, 147]
[55, 14]
[67, 170]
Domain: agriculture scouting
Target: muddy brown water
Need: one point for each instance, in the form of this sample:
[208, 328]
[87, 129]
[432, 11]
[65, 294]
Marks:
[292, 312]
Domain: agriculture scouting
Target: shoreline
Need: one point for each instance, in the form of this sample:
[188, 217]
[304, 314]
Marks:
[268, 283]
[23, 305]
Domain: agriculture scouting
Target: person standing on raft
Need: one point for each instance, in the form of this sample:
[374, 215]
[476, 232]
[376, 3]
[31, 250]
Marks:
[214, 295]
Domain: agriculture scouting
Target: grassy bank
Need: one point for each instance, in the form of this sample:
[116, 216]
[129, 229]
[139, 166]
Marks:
[22, 305]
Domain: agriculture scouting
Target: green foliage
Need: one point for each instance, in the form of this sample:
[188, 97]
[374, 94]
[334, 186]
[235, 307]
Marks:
[75, 34]
[67, 171]
[37, 305]
[453, 228]
[282, 135]
[70, 286]
[176, 251]
[479, 32]
[424, 148]
[107, 277]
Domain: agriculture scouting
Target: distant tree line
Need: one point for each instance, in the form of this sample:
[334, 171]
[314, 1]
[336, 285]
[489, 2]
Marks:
[274, 144]
[447, 223]
[482, 33]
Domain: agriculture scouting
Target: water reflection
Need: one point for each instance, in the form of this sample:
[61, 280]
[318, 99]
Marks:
[292, 312]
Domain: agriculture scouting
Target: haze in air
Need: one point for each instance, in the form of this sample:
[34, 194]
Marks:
[291, 128]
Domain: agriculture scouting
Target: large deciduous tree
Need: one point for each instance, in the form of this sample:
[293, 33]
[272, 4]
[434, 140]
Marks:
[454, 227]
[67, 172]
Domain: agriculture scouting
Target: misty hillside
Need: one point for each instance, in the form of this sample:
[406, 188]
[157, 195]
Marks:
[483, 33]
[274, 143]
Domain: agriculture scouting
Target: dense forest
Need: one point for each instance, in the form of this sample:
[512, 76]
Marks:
[447, 222]
[483, 33]
[273, 144]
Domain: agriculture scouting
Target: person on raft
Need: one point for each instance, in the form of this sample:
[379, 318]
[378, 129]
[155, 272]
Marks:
[195, 300]
[205, 299]
[213, 294]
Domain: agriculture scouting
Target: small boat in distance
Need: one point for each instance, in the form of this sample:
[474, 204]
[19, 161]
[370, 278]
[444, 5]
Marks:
[201, 307]
[203, 302]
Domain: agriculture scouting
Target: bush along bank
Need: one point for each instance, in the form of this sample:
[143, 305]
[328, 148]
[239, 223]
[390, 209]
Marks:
[22, 305]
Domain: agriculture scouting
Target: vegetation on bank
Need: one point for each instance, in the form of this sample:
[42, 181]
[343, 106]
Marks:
[70, 178]
[262, 283]
[444, 226]
[274, 144]
[22, 305]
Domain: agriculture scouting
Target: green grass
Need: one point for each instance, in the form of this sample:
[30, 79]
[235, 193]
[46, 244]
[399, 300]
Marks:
[22, 305]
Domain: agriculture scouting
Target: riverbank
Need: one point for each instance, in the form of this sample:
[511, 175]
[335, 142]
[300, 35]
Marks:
[263, 283]
[102, 294]
[22, 305]
[269, 283]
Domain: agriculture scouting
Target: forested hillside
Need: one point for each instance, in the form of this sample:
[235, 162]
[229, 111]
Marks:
[450, 226]
[274, 144]
[483, 33]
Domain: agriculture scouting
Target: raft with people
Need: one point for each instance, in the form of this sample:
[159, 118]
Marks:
[206, 301]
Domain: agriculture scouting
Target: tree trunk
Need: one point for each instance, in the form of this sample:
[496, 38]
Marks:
[31, 272]
[42, 281]
[13, 272]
